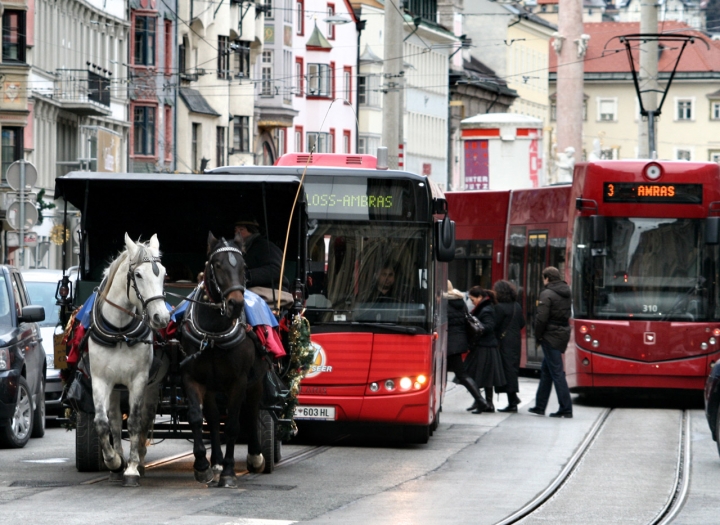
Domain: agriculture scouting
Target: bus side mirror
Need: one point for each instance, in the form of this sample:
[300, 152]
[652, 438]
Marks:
[445, 240]
[712, 230]
[599, 233]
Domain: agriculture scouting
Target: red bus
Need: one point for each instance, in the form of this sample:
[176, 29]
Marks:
[378, 357]
[645, 274]
[511, 235]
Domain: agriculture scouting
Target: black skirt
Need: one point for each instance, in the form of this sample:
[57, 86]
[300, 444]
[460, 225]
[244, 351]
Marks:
[485, 367]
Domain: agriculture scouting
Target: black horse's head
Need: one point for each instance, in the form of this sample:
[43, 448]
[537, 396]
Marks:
[225, 274]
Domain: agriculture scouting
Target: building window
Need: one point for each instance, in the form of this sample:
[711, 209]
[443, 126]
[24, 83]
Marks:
[298, 139]
[288, 11]
[12, 147]
[368, 145]
[144, 130]
[195, 146]
[318, 142]
[607, 109]
[241, 135]
[347, 84]
[347, 138]
[241, 58]
[362, 90]
[331, 26]
[332, 80]
[299, 77]
[684, 109]
[714, 156]
[181, 58]
[683, 154]
[300, 9]
[368, 91]
[13, 36]
[332, 141]
[220, 146]
[169, 139]
[715, 110]
[319, 81]
[168, 47]
[269, 10]
[145, 40]
[287, 77]
[266, 74]
[281, 141]
[223, 57]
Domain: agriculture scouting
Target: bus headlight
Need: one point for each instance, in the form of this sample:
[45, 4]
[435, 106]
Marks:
[390, 384]
[405, 383]
[374, 387]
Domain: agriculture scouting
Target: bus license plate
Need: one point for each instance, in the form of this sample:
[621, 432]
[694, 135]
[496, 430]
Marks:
[314, 412]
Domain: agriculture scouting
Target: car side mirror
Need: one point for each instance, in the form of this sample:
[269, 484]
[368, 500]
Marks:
[32, 314]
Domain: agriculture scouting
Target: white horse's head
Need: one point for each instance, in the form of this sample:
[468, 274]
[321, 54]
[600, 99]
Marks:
[146, 277]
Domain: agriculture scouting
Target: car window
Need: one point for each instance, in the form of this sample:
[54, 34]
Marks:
[43, 294]
[5, 317]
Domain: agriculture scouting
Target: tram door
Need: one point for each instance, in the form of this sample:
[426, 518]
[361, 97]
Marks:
[536, 262]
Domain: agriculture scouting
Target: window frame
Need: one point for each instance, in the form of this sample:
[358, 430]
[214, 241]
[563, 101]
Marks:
[689, 109]
[714, 109]
[331, 26]
[266, 68]
[168, 25]
[323, 79]
[241, 134]
[144, 41]
[300, 11]
[223, 57]
[300, 76]
[17, 147]
[347, 84]
[614, 101]
[148, 129]
[299, 139]
[677, 152]
[220, 137]
[20, 33]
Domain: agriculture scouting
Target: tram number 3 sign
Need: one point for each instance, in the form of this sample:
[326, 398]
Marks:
[314, 412]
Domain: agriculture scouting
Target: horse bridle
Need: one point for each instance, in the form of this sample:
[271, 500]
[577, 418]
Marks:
[132, 282]
[211, 281]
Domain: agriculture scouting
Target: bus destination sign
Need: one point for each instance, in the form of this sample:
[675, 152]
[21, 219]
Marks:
[652, 192]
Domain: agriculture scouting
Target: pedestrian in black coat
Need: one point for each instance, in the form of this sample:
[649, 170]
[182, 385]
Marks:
[508, 331]
[484, 363]
[457, 344]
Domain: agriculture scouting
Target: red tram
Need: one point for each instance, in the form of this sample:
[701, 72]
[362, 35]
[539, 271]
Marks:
[638, 242]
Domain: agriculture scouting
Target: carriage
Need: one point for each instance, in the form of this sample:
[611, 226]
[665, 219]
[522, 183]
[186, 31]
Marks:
[181, 209]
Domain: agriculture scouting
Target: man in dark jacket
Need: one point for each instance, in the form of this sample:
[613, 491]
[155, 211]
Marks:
[552, 331]
[262, 258]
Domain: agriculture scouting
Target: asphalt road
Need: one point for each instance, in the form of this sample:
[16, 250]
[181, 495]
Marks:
[475, 469]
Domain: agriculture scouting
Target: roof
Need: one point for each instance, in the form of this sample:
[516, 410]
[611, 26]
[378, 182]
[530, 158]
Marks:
[369, 56]
[478, 74]
[196, 103]
[523, 13]
[605, 53]
[501, 119]
[317, 40]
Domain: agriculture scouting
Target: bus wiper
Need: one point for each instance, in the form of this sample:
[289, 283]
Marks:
[391, 327]
[695, 288]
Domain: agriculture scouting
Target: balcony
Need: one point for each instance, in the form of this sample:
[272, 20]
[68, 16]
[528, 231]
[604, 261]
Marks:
[82, 92]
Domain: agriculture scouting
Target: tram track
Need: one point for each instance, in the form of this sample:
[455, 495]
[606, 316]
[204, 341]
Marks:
[668, 511]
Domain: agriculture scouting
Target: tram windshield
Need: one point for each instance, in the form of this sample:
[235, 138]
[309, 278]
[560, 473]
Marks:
[368, 272]
[646, 269]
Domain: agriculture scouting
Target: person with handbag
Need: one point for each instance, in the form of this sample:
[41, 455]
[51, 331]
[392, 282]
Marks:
[484, 364]
[457, 344]
[508, 330]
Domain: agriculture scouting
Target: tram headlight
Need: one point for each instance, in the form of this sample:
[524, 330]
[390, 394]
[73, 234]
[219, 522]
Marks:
[716, 332]
[712, 340]
[421, 379]
[596, 343]
[405, 383]
[704, 345]
[390, 385]
[583, 329]
[588, 338]
[374, 387]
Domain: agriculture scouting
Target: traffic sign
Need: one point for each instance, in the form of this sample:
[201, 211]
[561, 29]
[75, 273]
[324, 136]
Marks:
[13, 196]
[12, 175]
[13, 215]
[30, 239]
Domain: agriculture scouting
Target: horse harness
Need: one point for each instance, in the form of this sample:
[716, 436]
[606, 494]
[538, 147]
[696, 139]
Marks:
[104, 333]
[211, 285]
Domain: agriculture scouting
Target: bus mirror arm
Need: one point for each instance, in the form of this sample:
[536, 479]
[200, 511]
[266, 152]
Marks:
[712, 230]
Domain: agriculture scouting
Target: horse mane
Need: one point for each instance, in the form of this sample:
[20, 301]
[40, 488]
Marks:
[111, 270]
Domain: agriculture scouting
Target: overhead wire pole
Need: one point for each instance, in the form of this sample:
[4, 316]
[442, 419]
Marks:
[648, 79]
[392, 68]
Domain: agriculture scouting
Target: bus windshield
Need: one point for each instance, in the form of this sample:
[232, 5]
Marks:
[368, 272]
[647, 269]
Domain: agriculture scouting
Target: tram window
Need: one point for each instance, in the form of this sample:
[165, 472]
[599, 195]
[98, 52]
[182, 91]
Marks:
[516, 258]
[472, 265]
[557, 253]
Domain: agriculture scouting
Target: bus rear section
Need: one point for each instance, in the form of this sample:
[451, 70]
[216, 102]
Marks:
[645, 275]
[375, 296]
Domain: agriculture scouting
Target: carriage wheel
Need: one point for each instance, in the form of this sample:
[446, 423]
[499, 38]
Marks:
[266, 431]
[88, 454]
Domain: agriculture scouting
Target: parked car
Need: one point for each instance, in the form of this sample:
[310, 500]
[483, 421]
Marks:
[712, 402]
[41, 286]
[22, 362]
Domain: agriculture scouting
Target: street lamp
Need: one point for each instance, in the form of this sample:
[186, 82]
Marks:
[337, 20]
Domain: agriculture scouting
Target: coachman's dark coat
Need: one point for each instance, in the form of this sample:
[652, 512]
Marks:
[263, 260]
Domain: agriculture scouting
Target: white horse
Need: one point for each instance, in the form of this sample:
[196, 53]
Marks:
[129, 305]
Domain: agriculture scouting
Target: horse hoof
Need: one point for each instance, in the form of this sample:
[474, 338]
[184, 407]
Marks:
[227, 482]
[204, 476]
[252, 468]
[115, 476]
[141, 470]
[131, 481]
[121, 468]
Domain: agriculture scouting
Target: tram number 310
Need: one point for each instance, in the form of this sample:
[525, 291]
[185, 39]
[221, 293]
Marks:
[650, 308]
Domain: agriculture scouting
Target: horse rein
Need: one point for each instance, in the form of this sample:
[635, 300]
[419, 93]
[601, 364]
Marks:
[212, 279]
[132, 282]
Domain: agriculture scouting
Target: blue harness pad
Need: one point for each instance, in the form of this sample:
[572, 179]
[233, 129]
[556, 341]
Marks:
[257, 312]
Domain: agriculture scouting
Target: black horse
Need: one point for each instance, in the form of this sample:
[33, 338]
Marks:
[222, 358]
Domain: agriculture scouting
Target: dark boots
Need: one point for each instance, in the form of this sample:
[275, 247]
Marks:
[480, 405]
[489, 397]
[513, 402]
